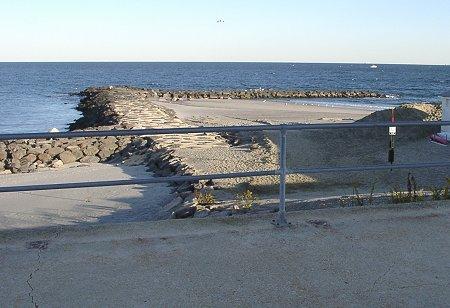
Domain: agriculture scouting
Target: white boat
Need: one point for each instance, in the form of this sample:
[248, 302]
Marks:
[374, 66]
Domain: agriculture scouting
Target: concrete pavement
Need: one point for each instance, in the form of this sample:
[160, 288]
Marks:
[84, 205]
[396, 256]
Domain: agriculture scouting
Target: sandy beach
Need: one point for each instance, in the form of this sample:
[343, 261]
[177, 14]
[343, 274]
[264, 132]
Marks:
[321, 148]
[251, 112]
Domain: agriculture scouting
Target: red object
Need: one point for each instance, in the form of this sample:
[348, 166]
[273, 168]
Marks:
[439, 139]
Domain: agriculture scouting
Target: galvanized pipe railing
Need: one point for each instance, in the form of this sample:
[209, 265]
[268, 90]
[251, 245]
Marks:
[282, 172]
[210, 129]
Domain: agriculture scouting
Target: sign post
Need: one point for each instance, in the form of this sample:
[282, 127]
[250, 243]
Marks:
[392, 134]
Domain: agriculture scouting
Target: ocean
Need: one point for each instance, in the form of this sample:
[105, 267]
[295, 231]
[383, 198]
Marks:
[34, 97]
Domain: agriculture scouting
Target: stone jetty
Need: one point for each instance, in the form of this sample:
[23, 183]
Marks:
[262, 94]
[247, 94]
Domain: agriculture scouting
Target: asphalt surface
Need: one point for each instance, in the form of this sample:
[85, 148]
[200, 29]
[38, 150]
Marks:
[396, 256]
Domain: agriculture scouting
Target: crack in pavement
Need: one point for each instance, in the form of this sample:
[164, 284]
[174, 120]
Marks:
[381, 277]
[41, 246]
[30, 277]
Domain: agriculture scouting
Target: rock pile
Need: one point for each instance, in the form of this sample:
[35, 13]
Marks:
[261, 94]
[32, 155]
[89, 93]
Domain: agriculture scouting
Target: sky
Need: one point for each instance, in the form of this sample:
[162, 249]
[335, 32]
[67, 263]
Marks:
[344, 31]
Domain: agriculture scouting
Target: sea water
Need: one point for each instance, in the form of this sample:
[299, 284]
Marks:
[34, 97]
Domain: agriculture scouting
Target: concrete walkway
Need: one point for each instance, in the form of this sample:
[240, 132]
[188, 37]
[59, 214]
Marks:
[84, 205]
[397, 256]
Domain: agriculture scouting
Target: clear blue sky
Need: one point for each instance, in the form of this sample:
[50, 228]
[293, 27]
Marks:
[378, 31]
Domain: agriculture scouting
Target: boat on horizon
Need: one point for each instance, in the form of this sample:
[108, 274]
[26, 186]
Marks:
[374, 66]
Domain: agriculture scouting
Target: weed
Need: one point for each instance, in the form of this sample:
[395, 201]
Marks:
[372, 190]
[419, 195]
[436, 193]
[357, 197]
[398, 196]
[446, 194]
[343, 201]
[206, 198]
[246, 199]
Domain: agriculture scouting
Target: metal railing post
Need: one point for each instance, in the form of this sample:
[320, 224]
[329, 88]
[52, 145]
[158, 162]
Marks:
[281, 220]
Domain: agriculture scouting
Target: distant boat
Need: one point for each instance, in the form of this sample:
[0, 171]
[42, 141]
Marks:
[374, 66]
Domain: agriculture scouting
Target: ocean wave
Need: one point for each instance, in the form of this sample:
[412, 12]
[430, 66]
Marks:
[392, 96]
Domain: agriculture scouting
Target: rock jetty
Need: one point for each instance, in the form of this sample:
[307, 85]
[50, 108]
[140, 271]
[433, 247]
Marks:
[246, 94]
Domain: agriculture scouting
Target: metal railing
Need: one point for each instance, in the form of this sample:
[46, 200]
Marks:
[282, 172]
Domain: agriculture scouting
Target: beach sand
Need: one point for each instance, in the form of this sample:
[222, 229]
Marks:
[247, 112]
[324, 148]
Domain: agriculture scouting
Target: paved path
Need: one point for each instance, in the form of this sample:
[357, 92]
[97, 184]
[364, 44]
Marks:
[397, 257]
[84, 205]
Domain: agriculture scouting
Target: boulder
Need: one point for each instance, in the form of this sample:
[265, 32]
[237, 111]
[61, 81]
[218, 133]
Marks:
[18, 153]
[57, 163]
[85, 143]
[3, 154]
[56, 143]
[67, 157]
[123, 141]
[36, 150]
[90, 150]
[44, 157]
[110, 139]
[42, 142]
[28, 159]
[184, 212]
[72, 147]
[104, 154]
[77, 153]
[90, 159]
[54, 151]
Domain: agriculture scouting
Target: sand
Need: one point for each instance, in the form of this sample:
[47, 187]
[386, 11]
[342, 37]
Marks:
[80, 206]
[313, 148]
[246, 112]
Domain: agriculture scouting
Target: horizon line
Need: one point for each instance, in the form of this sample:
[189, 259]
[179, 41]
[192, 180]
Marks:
[256, 62]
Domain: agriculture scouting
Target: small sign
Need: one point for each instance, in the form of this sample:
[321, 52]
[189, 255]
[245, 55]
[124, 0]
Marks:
[392, 131]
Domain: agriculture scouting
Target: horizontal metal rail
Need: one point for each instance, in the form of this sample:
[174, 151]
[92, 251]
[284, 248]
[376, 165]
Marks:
[170, 179]
[368, 168]
[212, 129]
[193, 178]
